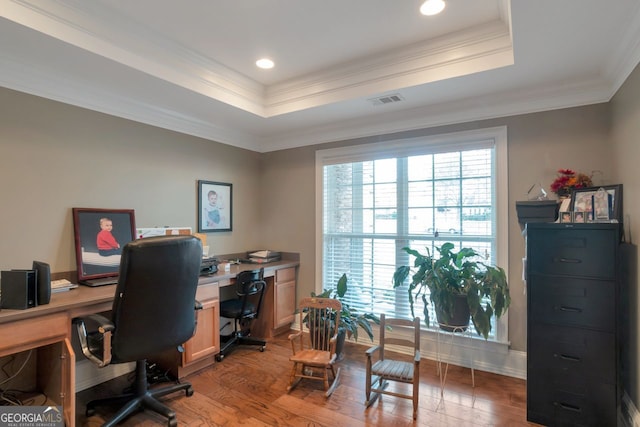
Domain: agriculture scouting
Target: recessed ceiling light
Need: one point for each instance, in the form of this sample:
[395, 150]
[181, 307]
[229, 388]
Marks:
[432, 7]
[264, 63]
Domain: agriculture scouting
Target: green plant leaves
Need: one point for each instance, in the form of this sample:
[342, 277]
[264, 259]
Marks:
[350, 318]
[456, 273]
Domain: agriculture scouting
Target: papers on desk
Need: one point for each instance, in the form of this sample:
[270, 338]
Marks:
[62, 285]
[260, 257]
[63, 288]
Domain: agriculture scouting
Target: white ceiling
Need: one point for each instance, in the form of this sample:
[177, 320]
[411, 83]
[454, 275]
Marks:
[189, 65]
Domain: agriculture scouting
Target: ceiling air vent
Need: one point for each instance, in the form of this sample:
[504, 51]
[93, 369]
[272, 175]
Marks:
[387, 99]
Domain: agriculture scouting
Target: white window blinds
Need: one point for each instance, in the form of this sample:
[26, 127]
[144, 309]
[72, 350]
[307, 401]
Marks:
[421, 193]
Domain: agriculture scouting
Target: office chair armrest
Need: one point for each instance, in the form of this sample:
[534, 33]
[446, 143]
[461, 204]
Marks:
[197, 306]
[104, 328]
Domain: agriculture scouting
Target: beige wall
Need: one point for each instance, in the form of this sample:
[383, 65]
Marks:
[625, 111]
[54, 157]
[539, 144]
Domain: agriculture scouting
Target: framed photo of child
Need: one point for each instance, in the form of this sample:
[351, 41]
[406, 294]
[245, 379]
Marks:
[566, 216]
[100, 235]
[214, 206]
[579, 216]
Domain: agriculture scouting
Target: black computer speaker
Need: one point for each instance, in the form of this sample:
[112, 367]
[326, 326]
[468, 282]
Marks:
[18, 289]
[43, 282]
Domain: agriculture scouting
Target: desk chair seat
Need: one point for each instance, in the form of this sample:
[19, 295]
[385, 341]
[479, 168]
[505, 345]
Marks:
[250, 288]
[154, 310]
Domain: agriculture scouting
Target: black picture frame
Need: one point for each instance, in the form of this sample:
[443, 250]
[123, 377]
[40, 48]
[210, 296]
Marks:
[566, 216]
[581, 200]
[91, 262]
[216, 217]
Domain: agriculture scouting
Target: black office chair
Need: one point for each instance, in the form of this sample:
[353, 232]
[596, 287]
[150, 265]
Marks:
[154, 310]
[250, 288]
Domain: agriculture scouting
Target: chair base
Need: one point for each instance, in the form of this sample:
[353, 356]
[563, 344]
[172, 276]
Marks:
[236, 339]
[141, 398]
[307, 372]
[373, 392]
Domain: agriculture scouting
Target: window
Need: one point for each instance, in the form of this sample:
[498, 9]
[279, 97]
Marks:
[421, 192]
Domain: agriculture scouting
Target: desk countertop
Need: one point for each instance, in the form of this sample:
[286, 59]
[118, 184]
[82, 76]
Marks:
[83, 299]
[269, 269]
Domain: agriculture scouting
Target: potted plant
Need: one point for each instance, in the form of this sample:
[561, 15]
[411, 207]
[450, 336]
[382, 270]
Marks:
[350, 318]
[453, 278]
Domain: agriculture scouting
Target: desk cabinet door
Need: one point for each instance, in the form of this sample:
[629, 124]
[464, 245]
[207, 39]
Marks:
[206, 340]
[285, 297]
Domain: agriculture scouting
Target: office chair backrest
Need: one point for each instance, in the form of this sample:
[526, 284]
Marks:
[153, 308]
[250, 287]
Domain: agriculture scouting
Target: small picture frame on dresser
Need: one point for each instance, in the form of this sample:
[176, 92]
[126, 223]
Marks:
[579, 216]
[566, 216]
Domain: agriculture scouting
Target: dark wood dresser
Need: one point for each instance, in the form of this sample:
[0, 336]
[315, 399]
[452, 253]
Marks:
[575, 292]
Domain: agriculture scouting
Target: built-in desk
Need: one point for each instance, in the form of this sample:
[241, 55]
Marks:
[276, 315]
[46, 329]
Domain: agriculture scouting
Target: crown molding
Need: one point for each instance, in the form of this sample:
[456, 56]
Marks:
[532, 100]
[96, 29]
[626, 56]
[478, 49]
[99, 30]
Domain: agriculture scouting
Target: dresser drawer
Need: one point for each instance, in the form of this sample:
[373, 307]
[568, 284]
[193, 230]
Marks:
[572, 302]
[580, 404]
[569, 354]
[572, 252]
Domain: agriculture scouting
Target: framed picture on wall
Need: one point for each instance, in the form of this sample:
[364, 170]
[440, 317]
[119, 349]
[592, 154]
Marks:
[214, 206]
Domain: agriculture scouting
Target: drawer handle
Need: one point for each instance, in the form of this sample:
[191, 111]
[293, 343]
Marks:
[569, 260]
[565, 357]
[569, 309]
[568, 407]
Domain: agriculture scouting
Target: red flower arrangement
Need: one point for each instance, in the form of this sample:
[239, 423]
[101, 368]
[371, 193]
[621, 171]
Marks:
[567, 180]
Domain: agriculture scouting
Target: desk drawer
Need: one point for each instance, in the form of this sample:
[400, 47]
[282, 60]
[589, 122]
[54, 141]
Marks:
[578, 404]
[30, 333]
[568, 355]
[208, 291]
[285, 275]
[572, 302]
[573, 252]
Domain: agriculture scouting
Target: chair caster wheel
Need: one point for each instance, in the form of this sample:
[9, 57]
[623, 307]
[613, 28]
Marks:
[220, 357]
[189, 392]
[172, 422]
[262, 349]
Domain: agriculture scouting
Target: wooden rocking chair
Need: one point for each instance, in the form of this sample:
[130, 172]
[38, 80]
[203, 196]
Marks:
[381, 369]
[314, 350]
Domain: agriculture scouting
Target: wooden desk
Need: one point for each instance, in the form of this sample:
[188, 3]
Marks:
[276, 315]
[46, 329]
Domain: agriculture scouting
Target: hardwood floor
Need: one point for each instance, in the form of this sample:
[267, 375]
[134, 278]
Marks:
[249, 388]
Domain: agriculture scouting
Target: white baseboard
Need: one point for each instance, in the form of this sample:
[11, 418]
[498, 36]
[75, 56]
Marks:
[488, 356]
[88, 374]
